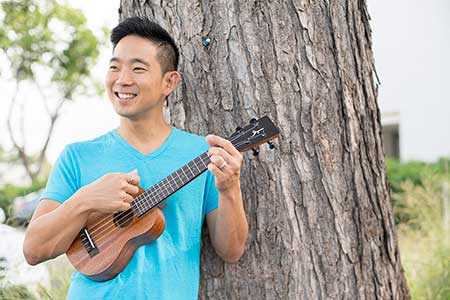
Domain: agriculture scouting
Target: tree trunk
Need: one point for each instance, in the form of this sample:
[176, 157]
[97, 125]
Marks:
[319, 209]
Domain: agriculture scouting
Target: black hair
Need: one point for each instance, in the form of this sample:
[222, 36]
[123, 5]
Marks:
[168, 55]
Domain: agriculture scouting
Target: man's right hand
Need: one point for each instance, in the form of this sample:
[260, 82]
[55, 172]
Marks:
[54, 226]
[110, 193]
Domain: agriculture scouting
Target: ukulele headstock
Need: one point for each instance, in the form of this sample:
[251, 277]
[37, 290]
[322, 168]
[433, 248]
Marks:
[254, 134]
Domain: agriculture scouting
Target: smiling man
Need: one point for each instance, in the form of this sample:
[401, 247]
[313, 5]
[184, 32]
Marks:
[100, 175]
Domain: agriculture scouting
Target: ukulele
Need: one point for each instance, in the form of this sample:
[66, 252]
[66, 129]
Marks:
[106, 244]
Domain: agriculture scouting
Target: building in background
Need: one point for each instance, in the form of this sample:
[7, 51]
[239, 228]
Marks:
[411, 42]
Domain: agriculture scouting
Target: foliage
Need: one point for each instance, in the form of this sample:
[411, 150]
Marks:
[414, 172]
[48, 47]
[424, 240]
[8, 192]
[2, 269]
[12, 292]
[15, 292]
[52, 36]
[60, 272]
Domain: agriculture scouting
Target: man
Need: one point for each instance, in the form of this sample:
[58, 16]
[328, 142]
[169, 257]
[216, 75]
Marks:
[96, 176]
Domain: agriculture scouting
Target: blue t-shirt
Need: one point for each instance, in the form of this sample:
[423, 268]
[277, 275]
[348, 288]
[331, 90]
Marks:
[168, 268]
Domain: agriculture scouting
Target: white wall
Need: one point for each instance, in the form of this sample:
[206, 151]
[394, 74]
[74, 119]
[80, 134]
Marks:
[412, 54]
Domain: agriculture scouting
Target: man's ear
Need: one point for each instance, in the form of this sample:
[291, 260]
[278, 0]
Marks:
[171, 80]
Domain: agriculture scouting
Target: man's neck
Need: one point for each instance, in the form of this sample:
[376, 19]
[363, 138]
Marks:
[144, 135]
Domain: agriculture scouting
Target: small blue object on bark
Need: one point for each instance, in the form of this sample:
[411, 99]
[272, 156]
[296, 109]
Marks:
[206, 42]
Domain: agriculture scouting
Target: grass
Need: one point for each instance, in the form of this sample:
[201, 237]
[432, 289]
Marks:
[424, 240]
[60, 271]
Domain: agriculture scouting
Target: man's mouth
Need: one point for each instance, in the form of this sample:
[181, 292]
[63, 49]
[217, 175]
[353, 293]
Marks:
[125, 96]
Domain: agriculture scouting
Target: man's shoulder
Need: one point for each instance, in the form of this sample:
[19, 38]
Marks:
[189, 139]
[189, 135]
[98, 143]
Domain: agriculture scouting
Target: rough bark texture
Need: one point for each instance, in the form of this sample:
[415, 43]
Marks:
[321, 224]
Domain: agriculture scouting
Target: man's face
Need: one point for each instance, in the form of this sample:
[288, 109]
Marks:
[134, 81]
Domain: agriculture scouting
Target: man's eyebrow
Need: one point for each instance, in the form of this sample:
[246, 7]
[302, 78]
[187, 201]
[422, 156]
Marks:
[133, 60]
[139, 60]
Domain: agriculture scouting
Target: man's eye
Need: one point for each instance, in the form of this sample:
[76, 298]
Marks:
[139, 69]
[112, 67]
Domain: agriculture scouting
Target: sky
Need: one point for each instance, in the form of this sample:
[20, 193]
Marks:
[86, 118]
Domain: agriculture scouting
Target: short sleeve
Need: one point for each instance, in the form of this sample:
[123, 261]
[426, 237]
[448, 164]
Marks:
[62, 182]
[211, 194]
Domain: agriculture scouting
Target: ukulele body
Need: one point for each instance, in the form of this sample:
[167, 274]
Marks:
[115, 244]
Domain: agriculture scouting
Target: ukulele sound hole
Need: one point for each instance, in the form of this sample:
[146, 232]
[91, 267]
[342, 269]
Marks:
[123, 218]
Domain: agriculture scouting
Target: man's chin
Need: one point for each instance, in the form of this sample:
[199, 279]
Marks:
[127, 114]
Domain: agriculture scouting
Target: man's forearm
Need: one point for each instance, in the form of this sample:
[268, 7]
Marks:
[231, 228]
[52, 233]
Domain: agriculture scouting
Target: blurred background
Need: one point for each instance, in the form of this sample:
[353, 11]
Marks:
[53, 58]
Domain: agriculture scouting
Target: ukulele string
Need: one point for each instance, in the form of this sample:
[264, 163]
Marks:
[109, 227]
[105, 229]
[139, 200]
[106, 220]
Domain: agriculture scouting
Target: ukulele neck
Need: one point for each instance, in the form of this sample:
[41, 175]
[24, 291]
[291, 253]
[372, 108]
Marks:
[169, 185]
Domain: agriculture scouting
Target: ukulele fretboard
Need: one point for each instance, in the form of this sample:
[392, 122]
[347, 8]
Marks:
[169, 185]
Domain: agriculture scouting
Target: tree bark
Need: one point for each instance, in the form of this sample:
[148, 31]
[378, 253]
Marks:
[319, 207]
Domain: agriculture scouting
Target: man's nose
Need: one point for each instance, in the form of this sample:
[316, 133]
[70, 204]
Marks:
[125, 78]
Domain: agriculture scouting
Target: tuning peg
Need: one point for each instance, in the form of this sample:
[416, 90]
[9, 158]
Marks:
[271, 145]
[255, 151]
[253, 120]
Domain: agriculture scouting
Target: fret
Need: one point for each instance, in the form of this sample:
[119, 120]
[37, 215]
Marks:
[187, 178]
[194, 167]
[205, 160]
[179, 177]
[161, 190]
[136, 206]
[189, 168]
[174, 181]
[195, 164]
[172, 184]
[140, 206]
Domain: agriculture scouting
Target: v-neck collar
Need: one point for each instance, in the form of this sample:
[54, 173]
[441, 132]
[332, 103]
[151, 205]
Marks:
[130, 149]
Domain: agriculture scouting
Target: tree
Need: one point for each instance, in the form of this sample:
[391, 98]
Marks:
[48, 47]
[319, 208]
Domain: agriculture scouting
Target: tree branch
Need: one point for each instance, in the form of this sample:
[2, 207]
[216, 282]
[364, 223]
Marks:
[20, 149]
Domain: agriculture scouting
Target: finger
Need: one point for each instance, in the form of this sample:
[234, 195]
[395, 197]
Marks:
[220, 152]
[126, 198]
[215, 170]
[136, 180]
[131, 176]
[131, 189]
[124, 206]
[218, 161]
[234, 162]
[214, 140]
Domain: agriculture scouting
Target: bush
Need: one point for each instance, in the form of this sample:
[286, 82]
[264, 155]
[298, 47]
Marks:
[12, 292]
[8, 192]
[424, 240]
[15, 292]
[414, 172]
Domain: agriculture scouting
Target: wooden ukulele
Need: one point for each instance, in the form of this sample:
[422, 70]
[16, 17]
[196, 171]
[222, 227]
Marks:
[105, 245]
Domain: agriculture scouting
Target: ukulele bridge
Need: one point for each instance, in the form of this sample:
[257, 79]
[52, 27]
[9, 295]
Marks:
[88, 242]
